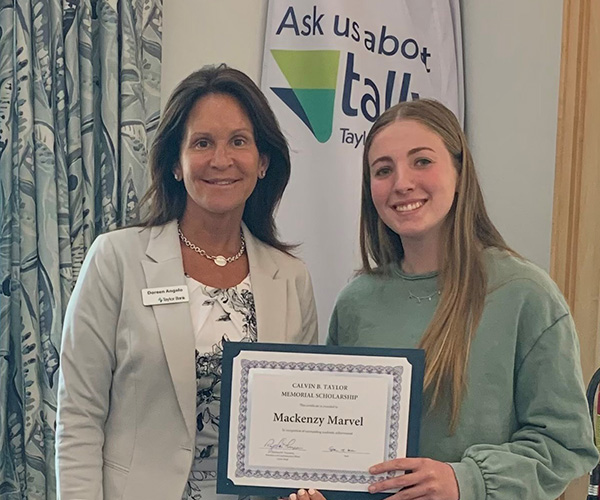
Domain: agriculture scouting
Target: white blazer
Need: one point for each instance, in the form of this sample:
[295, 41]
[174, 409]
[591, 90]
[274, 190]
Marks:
[127, 388]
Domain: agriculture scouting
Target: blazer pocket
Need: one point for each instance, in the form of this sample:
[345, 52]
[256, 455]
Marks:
[114, 480]
[116, 466]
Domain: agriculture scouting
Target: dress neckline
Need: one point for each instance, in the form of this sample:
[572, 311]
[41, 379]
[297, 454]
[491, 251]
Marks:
[196, 283]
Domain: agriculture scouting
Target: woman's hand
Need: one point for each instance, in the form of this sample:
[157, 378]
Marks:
[307, 495]
[427, 480]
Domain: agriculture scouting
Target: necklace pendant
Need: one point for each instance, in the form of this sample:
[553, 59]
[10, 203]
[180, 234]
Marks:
[420, 300]
[220, 261]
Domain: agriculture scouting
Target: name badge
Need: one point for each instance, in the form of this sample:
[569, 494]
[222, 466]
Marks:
[165, 295]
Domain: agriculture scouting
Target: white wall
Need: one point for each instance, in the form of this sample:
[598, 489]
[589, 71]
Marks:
[512, 57]
[512, 66]
[199, 32]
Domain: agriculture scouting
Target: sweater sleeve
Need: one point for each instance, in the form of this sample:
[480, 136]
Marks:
[553, 443]
[332, 335]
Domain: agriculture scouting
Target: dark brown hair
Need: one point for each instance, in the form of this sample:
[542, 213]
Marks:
[166, 197]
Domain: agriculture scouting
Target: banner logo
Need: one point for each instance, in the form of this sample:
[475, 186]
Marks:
[312, 76]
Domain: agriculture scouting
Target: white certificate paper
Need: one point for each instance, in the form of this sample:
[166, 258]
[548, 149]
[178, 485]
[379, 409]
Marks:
[307, 419]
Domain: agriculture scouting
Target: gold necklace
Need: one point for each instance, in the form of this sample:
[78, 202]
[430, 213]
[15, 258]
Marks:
[219, 260]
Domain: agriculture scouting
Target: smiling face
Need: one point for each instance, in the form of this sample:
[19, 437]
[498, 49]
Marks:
[219, 161]
[413, 180]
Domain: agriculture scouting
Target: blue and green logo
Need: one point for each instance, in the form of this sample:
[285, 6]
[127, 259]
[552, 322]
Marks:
[312, 76]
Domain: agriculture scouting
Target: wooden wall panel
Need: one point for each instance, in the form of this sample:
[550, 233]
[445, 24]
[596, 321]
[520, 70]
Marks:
[575, 256]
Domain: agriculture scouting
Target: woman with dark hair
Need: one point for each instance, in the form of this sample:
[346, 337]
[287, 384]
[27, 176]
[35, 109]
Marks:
[505, 410]
[139, 389]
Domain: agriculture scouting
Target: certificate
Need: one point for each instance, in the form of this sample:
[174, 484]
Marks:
[315, 416]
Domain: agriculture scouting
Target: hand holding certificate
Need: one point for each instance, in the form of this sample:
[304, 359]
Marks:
[298, 415]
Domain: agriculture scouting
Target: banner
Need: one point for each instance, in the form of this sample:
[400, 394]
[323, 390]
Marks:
[330, 68]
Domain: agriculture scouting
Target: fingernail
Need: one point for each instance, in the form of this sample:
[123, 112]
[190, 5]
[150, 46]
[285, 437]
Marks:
[372, 489]
[293, 496]
[301, 493]
[311, 492]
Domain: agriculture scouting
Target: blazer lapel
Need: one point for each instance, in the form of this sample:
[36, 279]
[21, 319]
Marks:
[269, 290]
[174, 320]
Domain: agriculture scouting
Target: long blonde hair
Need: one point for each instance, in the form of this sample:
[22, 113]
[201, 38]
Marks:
[467, 230]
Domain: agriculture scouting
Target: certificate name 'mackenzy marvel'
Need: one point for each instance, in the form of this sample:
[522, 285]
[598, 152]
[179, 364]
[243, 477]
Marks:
[298, 416]
[306, 419]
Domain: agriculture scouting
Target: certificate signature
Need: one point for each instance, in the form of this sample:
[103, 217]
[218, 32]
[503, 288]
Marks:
[345, 451]
[282, 445]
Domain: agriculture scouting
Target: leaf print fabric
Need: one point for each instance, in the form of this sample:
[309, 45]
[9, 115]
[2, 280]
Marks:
[79, 102]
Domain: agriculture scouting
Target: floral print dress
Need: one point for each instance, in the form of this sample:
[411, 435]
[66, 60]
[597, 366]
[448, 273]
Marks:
[218, 315]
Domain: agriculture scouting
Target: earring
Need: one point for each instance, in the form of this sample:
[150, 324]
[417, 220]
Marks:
[261, 174]
[176, 176]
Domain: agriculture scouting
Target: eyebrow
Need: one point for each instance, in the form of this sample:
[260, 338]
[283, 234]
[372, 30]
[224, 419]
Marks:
[410, 153]
[200, 133]
[417, 150]
[381, 159]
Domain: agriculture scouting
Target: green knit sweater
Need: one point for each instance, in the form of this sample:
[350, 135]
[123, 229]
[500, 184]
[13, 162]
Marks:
[524, 431]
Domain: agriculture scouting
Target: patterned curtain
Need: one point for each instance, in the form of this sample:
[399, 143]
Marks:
[79, 101]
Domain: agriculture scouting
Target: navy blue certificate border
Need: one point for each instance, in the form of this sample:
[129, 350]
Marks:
[415, 357]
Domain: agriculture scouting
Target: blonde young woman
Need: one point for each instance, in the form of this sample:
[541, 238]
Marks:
[140, 378]
[506, 417]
